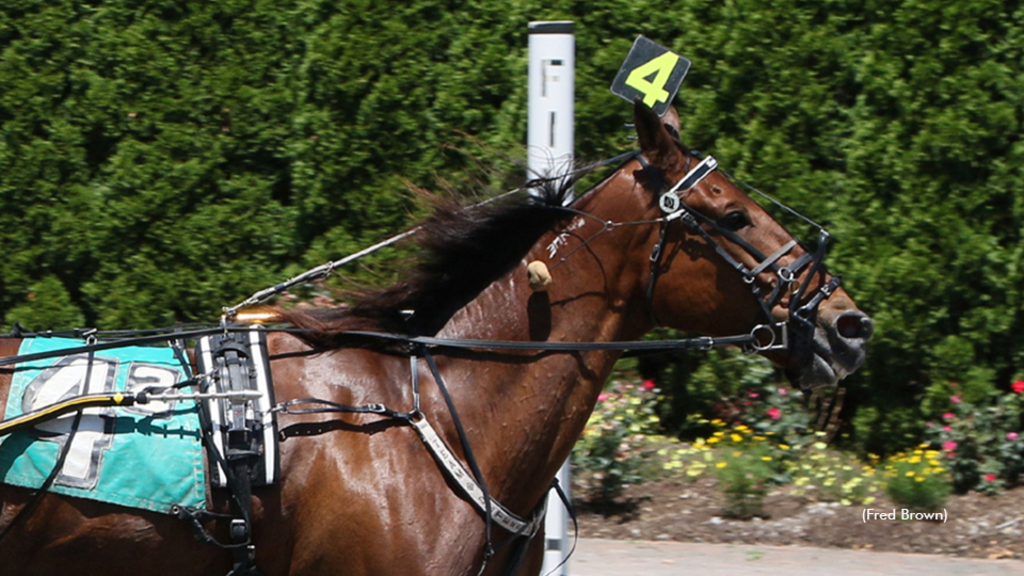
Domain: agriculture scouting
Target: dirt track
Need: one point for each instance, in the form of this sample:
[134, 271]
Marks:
[596, 557]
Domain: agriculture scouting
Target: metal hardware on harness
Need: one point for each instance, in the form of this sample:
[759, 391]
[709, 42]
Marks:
[669, 202]
[779, 341]
[235, 395]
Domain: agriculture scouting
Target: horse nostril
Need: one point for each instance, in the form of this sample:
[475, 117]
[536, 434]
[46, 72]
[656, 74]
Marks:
[855, 325]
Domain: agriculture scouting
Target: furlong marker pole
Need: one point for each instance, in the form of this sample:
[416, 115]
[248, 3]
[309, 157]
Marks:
[550, 142]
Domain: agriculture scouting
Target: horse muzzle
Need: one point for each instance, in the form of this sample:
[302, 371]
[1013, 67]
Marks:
[835, 348]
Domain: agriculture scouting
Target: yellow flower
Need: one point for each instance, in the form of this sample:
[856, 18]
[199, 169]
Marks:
[736, 438]
[721, 465]
[766, 458]
[784, 446]
[910, 474]
[713, 440]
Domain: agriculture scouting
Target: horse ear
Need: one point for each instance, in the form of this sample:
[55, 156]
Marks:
[656, 142]
[671, 122]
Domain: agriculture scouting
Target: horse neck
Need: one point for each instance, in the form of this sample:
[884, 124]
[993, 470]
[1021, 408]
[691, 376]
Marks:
[525, 411]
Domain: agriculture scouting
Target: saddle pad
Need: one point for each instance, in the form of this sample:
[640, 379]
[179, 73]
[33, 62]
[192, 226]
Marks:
[146, 456]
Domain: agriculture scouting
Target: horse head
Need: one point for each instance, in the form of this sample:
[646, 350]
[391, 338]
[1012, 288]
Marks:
[722, 265]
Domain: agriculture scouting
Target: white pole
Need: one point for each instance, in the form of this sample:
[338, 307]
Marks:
[550, 143]
[550, 133]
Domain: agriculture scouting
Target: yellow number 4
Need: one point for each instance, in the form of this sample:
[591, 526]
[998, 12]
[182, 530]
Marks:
[653, 91]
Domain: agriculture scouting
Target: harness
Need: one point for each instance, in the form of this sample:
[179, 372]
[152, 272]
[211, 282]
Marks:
[245, 423]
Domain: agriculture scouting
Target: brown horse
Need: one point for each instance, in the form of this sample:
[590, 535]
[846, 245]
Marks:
[368, 498]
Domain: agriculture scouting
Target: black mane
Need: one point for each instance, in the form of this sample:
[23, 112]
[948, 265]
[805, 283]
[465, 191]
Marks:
[464, 251]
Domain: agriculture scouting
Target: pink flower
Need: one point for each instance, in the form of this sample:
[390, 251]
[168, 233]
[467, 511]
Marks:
[950, 455]
[774, 413]
[1011, 436]
[1018, 386]
[955, 399]
[948, 416]
[990, 477]
[949, 445]
[947, 428]
[783, 391]
[602, 397]
[648, 385]
[929, 424]
[754, 394]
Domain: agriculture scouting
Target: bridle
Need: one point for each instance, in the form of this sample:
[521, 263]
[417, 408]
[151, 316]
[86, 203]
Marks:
[801, 312]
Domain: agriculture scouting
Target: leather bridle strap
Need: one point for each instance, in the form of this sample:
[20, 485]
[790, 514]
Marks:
[692, 178]
[676, 209]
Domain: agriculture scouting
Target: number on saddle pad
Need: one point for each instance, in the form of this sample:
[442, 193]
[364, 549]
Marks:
[651, 72]
[66, 379]
[146, 456]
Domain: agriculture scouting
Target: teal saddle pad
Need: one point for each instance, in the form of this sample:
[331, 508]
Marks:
[146, 456]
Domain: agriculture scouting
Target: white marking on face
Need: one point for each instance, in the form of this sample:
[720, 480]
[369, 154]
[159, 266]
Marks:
[563, 238]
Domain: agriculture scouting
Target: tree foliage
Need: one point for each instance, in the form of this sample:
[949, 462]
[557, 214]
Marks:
[162, 158]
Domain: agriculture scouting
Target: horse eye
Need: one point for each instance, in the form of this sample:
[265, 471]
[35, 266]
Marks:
[735, 220]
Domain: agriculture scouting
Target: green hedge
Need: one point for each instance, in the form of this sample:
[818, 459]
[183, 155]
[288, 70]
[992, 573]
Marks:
[160, 158]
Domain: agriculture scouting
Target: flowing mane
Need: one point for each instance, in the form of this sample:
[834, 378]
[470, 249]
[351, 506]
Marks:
[463, 251]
